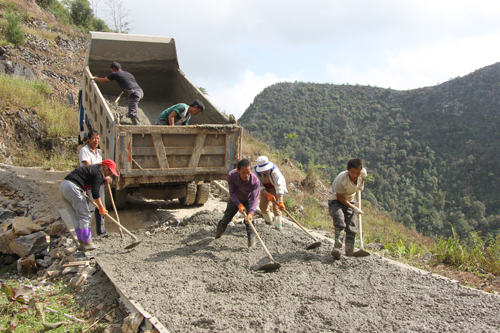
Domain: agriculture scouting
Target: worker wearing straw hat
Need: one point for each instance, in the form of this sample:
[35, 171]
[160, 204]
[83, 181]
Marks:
[272, 189]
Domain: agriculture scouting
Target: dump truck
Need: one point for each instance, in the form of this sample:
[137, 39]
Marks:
[159, 162]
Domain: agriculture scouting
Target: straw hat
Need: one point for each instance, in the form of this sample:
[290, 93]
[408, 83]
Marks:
[263, 164]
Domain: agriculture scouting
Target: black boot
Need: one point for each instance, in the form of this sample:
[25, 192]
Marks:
[99, 224]
[251, 236]
[221, 228]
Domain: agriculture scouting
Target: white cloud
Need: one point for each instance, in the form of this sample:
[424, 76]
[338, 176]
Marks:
[424, 66]
[238, 97]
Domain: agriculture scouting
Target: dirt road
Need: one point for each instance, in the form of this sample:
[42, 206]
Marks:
[192, 282]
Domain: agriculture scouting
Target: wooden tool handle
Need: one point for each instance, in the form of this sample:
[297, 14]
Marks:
[297, 223]
[258, 237]
[112, 219]
[360, 222]
[114, 208]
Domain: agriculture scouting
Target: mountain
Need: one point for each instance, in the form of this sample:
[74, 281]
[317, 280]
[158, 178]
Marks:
[433, 152]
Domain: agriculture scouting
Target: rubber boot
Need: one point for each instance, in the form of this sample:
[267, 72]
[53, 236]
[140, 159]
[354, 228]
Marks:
[221, 228]
[278, 223]
[338, 241]
[336, 253]
[99, 224]
[349, 244]
[87, 246]
[268, 217]
[252, 241]
[250, 235]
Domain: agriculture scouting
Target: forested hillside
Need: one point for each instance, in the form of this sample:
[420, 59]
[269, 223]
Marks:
[434, 152]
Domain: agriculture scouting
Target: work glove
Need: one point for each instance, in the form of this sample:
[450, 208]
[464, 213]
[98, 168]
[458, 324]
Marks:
[281, 206]
[271, 197]
[358, 211]
[249, 218]
[241, 208]
[102, 211]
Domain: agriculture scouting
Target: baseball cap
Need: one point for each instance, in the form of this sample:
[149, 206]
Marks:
[111, 165]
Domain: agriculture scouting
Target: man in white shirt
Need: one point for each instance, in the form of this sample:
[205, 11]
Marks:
[342, 207]
[90, 154]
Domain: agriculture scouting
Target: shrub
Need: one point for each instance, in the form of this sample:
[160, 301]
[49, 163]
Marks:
[13, 32]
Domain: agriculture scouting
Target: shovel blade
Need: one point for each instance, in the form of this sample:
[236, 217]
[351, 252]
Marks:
[271, 265]
[131, 246]
[361, 253]
[314, 245]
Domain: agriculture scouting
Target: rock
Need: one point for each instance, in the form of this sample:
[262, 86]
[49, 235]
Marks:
[77, 256]
[24, 226]
[35, 243]
[6, 214]
[27, 265]
[375, 246]
[70, 270]
[56, 229]
[131, 323]
[45, 262]
[323, 204]
[6, 225]
[5, 240]
[45, 220]
[428, 256]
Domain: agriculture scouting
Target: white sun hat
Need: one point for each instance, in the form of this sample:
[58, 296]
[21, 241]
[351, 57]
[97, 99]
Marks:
[263, 164]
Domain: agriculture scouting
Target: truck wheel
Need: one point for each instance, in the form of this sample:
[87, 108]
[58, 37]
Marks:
[120, 197]
[190, 197]
[202, 194]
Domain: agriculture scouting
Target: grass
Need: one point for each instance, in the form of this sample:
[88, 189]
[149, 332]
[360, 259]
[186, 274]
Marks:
[58, 297]
[474, 254]
[34, 157]
[59, 120]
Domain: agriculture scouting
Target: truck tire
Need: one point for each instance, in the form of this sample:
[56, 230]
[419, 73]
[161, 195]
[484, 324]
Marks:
[120, 197]
[202, 194]
[190, 197]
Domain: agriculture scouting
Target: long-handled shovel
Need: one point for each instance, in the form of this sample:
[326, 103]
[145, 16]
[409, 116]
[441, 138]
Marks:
[273, 264]
[131, 246]
[316, 242]
[114, 208]
[361, 252]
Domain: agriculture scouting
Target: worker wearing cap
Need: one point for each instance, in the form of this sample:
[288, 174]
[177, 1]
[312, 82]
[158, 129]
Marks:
[342, 207]
[90, 154]
[272, 186]
[244, 196]
[72, 190]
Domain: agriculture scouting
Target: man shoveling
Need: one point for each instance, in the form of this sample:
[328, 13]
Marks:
[128, 85]
[341, 205]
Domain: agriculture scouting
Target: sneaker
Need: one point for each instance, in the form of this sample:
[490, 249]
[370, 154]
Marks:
[251, 242]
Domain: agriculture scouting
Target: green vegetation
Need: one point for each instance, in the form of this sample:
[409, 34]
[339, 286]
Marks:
[58, 120]
[22, 310]
[13, 32]
[431, 151]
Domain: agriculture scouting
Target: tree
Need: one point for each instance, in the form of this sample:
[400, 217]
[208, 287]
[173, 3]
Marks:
[81, 13]
[94, 4]
[118, 16]
[13, 31]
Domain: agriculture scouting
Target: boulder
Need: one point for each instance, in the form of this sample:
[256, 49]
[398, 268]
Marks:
[36, 243]
[5, 240]
[56, 229]
[132, 322]
[6, 214]
[27, 265]
[45, 220]
[24, 226]
[6, 225]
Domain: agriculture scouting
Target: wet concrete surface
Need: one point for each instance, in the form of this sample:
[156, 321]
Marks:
[193, 282]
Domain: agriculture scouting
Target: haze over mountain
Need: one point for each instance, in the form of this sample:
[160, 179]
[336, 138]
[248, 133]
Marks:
[433, 152]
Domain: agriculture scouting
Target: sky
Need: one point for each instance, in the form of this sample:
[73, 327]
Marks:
[234, 49]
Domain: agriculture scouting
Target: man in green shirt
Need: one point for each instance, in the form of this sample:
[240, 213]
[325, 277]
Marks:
[180, 114]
